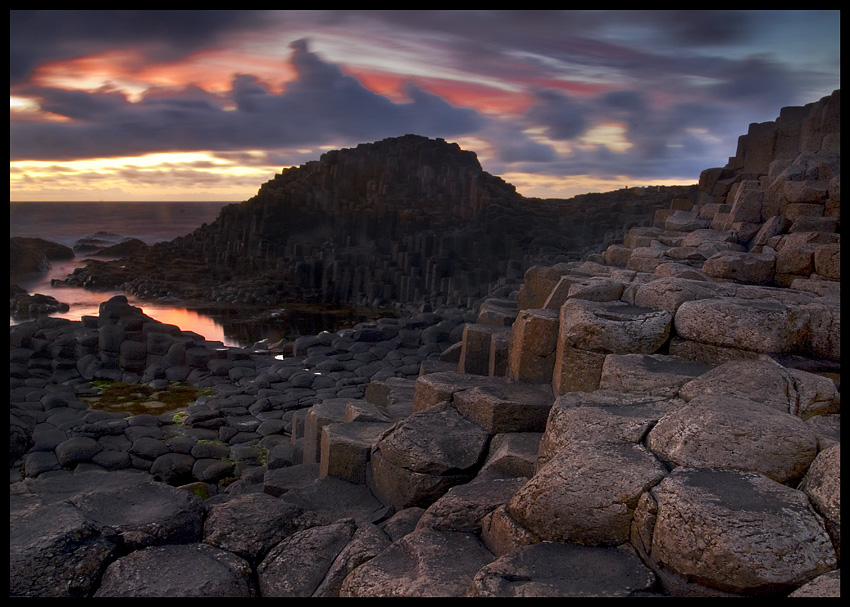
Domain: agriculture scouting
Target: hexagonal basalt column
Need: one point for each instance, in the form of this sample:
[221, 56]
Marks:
[590, 330]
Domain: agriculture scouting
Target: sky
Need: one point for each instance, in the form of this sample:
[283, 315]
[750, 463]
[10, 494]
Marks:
[208, 105]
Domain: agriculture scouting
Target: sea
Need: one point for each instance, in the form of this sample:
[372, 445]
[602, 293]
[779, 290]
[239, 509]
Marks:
[151, 222]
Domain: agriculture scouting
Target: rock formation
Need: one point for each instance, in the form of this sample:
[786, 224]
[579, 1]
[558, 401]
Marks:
[658, 419]
[406, 219]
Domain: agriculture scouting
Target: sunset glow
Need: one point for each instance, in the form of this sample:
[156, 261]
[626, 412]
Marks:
[165, 176]
[146, 105]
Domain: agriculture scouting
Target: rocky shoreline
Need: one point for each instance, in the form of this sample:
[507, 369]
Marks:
[658, 419]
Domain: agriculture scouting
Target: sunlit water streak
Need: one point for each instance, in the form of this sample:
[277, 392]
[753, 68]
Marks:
[151, 222]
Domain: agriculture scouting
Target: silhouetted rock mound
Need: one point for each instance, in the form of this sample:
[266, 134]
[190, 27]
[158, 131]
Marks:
[22, 305]
[35, 254]
[406, 219]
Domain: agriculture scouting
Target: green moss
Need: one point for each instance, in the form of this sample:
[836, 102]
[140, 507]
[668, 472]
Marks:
[134, 399]
[201, 492]
[179, 418]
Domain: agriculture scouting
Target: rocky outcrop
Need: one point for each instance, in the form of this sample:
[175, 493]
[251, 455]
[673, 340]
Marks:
[644, 422]
[407, 219]
[35, 254]
[22, 305]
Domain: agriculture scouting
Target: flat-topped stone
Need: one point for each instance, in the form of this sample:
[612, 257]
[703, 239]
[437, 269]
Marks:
[717, 511]
[345, 449]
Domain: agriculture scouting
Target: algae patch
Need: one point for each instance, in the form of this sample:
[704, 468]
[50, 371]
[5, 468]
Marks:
[135, 399]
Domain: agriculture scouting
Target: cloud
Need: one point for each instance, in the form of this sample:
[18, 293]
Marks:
[39, 36]
[562, 117]
[645, 94]
[322, 106]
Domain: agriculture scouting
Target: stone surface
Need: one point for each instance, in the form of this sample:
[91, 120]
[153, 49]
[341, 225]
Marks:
[250, 525]
[189, 570]
[823, 486]
[299, 563]
[586, 493]
[424, 563]
[738, 434]
[551, 569]
[701, 517]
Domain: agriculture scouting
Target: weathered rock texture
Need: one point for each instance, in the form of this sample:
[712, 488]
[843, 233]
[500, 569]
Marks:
[660, 419]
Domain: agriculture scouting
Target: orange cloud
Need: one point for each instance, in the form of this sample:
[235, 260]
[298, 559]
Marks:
[126, 70]
[485, 99]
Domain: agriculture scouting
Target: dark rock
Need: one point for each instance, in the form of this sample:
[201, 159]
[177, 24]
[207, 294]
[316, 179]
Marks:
[192, 570]
[35, 254]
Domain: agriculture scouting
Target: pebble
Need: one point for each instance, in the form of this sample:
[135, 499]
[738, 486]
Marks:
[243, 425]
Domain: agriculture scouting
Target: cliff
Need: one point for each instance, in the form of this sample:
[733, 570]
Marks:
[406, 219]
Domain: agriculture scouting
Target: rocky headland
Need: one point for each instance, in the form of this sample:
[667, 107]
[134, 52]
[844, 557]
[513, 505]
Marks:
[656, 417]
[400, 221]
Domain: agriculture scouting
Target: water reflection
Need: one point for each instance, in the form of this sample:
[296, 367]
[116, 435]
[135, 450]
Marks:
[233, 326]
[86, 303]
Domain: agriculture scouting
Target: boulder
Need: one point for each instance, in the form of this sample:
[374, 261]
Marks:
[505, 406]
[463, 507]
[190, 570]
[723, 432]
[345, 449]
[425, 563]
[250, 525]
[435, 388]
[513, 453]
[298, 564]
[330, 499]
[727, 532]
[827, 585]
[538, 283]
[502, 534]
[425, 455]
[655, 374]
[367, 543]
[823, 487]
[475, 351]
[533, 342]
[613, 327]
[590, 330]
[756, 325]
[742, 266]
[318, 416]
[671, 292]
[586, 493]
[604, 416]
[150, 514]
[55, 550]
[764, 381]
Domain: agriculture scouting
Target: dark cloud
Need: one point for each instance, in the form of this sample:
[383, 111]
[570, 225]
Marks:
[321, 106]
[563, 117]
[39, 36]
[683, 84]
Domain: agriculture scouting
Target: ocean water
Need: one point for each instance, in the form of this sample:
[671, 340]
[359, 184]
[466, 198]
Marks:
[151, 222]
